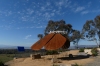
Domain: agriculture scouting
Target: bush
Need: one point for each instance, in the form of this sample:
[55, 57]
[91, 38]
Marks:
[51, 52]
[81, 50]
[70, 55]
[94, 52]
[56, 65]
[77, 64]
[1, 63]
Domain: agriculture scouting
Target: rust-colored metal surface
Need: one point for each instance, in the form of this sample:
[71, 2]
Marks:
[66, 45]
[39, 44]
[56, 42]
[51, 42]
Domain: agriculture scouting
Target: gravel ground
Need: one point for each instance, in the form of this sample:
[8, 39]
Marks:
[96, 62]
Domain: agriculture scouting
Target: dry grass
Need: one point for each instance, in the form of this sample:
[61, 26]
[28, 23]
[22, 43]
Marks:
[6, 57]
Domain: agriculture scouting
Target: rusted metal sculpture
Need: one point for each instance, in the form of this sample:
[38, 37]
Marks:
[52, 41]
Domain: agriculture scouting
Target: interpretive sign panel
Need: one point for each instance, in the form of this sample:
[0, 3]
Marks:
[21, 49]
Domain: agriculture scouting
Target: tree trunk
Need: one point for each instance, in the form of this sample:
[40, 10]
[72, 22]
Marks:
[97, 43]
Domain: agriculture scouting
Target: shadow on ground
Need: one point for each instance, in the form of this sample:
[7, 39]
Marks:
[75, 57]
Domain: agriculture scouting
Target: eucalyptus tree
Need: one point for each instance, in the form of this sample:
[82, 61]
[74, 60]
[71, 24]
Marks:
[97, 25]
[90, 31]
[58, 26]
[73, 35]
[40, 36]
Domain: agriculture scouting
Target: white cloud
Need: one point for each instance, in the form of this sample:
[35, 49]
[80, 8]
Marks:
[89, 4]
[62, 2]
[48, 3]
[19, 28]
[84, 12]
[98, 10]
[6, 12]
[10, 13]
[40, 27]
[52, 14]
[7, 27]
[47, 15]
[25, 18]
[43, 8]
[30, 11]
[78, 9]
[28, 36]
[68, 3]
[90, 11]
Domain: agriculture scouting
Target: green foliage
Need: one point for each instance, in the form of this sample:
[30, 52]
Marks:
[81, 50]
[77, 64]
[55, 65]
[58, 26]
[1, 63]
[6, 57]
[62, 50]
[72, 34]
[91, 29]
[51, 52]
[94, 52]
[40, 36]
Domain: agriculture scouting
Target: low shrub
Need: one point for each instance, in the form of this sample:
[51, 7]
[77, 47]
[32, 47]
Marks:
[51, 52]
[55, 65]
[1, 63]
[77, 64]
[94, 52]
[81, 50]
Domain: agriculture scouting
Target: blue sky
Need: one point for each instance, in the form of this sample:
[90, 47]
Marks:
[22, 20]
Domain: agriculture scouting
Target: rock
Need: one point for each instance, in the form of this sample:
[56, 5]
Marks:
[88, 51]
[70, 55]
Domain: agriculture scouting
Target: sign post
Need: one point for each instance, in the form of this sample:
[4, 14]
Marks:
[20, 49]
